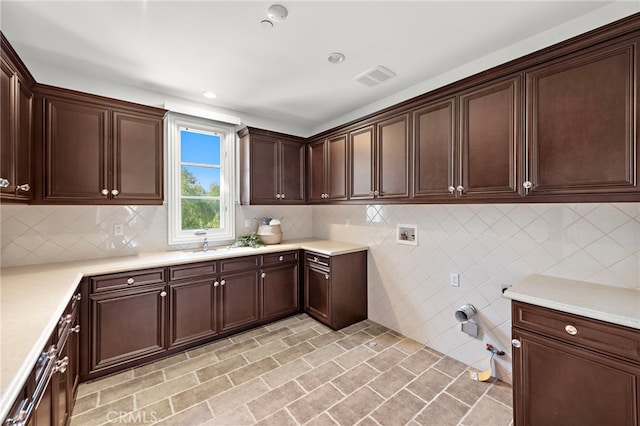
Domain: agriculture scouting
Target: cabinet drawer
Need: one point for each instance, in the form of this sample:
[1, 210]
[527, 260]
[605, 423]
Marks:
[312, 258]
[276, 258]
[127, 279]
[616, 340]
[193, 270]
[239, 264]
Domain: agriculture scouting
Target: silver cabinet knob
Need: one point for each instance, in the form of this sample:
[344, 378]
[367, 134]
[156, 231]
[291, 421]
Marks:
[371, 193]
[460, 188]
[263, 275]
[77, 296]
[163, 294]
[527, 185]
[282, 196]
[130, 280]
[76, 329]
[67, 318]
[216, 283]
[223, 282]
[281, 258]
[516, 343]
[326, 276]
[4, 183]
[571, 329]
[452, 189]
[114, 192]
[61, 365]
[24, 187]
[315, 258]
[105, 191]
[376, 193]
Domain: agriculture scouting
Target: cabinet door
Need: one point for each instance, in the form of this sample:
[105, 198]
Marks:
[7, 130]
[60, 383]
[239, 300]
[317, 172]
[127, 326]
[73, 369]
[336, 188]
[490, 140]
[559, 384]
[24, 135]
[361, 158]
[582, 114]
[291, 169]
[317, 294]
[279, 291]
[264, 172]
[434, 142]
[137, 153]
[192, 311]
[76, 151]
[392, 157]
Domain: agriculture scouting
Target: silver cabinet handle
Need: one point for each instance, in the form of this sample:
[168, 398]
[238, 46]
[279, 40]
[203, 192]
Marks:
[516, 343]
[105, 191]
[571, 329]
[61, 365]
[114, 192]
[216, 283]
[326, 276]
[278, 196]
[223, 282]
[263, 275]
[24, 187]
[163, 293]
[371, 193]
[281, 258]
[460, 188]
[67, 318]
[77, 296]
[527, 185]
[130, 280]
[452, 189]
[282, 196]
[4, 182]
[76, 329]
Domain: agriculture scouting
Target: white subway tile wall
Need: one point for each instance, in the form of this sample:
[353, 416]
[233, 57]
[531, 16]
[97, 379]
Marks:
[490, 246]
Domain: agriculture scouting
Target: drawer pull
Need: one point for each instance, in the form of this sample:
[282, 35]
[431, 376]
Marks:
[264, 275]
[571, 330]
[216, 283]
[163, 294]
[281, 258]
[223, 282]
[76, 329]
[516, 343]
[130, 281]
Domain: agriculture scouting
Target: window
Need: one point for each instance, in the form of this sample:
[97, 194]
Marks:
[200, 175]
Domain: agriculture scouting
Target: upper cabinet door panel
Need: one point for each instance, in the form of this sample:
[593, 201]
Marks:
[7, 129]
[491, 139]
[337, 168]
[76, 147]
[434, 138]
[137, 153]
[264, 169]
[361, 154]
[581, 118]
[393, 157]
[292, 171]
[317, 171]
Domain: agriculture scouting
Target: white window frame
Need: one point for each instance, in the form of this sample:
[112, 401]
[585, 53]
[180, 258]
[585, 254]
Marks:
[175, 123]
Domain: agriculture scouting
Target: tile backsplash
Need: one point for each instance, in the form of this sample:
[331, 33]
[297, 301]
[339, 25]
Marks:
[490, 246]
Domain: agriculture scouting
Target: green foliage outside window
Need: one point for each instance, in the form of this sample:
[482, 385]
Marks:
[199, 213]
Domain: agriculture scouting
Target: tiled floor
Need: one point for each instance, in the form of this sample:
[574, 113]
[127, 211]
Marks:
[297, 371]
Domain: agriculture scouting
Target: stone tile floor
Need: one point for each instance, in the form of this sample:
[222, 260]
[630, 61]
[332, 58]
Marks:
[297, 371]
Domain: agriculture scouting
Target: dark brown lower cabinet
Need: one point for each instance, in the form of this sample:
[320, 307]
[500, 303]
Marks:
[570, 370]
[335, 288]
[193, 311]
[240, 307]
[127, 325]
[279, 289]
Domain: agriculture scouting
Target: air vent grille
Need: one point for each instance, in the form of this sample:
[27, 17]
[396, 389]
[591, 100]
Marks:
[375, 75]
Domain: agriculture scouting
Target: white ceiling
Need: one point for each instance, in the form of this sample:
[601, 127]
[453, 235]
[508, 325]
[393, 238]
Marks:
[183, 48]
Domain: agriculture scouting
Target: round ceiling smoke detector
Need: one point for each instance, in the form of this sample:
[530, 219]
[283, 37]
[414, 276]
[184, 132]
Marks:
[336, 58]
[277, 12]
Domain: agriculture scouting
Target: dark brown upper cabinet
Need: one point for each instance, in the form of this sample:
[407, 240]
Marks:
[582, 117]
[16, 126]
[272, 167]
[379, 160]
[328, 169]
[97, 150]
[490, 144]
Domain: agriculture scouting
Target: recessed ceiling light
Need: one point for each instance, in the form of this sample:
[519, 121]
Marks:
[209, 95]
[336, 58]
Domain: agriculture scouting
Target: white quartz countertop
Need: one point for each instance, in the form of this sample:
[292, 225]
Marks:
[606, 303]
[32, 298]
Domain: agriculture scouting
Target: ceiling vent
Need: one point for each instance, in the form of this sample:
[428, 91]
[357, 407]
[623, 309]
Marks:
[375, 75]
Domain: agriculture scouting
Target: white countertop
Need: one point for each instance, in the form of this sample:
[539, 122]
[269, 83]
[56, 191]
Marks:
[606, 303]
[32, 299]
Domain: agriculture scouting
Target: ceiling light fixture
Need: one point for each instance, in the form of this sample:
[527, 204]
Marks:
[336, 58]
[277, 12]
[209, 95]
[266, 24]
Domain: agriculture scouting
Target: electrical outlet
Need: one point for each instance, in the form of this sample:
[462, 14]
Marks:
[118, 229]
[454, 279]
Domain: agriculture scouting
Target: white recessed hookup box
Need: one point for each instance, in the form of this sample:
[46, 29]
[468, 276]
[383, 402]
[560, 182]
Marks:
[407, 234]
